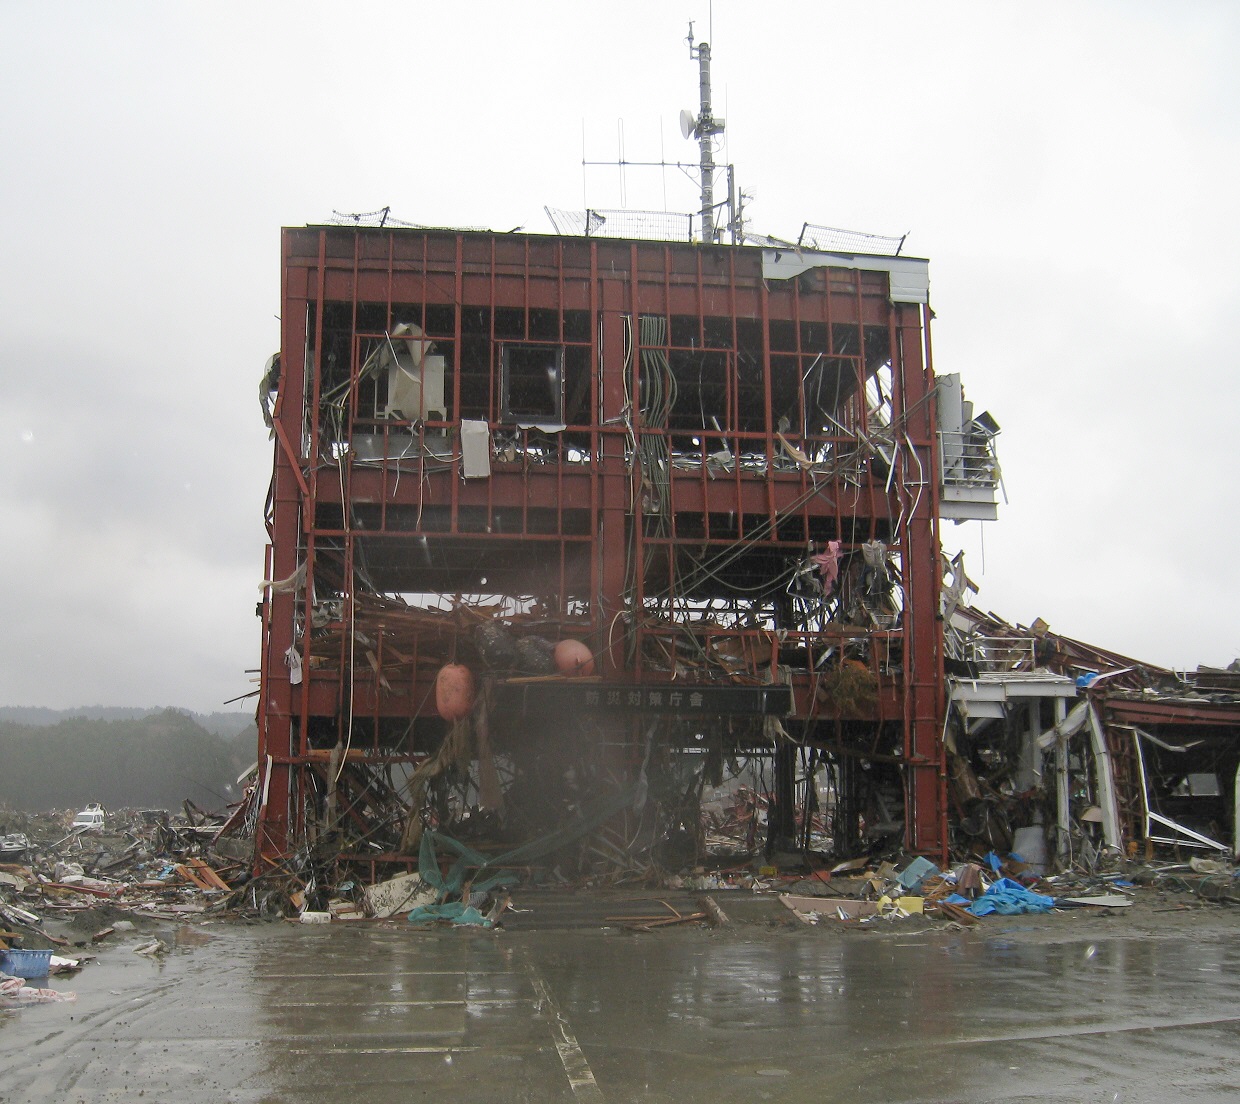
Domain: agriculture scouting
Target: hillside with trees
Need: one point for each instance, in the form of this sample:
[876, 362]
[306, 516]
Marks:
[148, 761]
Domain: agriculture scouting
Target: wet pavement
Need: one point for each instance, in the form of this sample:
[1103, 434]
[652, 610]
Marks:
[382, 1013]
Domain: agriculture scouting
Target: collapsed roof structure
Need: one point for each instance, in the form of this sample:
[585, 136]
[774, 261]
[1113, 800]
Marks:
[1053, 743]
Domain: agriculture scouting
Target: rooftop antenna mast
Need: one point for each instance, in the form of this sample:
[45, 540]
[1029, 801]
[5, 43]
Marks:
[704, 128]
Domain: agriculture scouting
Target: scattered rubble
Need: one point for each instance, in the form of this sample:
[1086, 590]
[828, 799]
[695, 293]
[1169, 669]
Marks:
[1079, 781]
[87, 887]
[147, 883]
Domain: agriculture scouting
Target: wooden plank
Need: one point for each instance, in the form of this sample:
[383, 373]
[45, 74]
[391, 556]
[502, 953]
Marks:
[956, 912]
[89, 890]
[209, 875]
[687, 918]
[192, 876]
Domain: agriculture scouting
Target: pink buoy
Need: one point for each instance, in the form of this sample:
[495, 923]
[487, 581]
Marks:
[454, 691]
[572, 657]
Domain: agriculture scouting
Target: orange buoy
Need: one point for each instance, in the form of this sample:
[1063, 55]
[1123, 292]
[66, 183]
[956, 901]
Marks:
[572, 657]
[454, 691]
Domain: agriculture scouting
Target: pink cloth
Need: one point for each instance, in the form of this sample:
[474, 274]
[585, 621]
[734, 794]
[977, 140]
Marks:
[828, 564]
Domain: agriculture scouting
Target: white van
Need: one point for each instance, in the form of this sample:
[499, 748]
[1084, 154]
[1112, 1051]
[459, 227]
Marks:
[89, 819]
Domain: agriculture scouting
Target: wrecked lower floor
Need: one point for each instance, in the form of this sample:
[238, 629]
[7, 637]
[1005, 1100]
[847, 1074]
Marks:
[1058, 752]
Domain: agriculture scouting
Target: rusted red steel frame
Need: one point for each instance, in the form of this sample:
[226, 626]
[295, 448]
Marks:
[609, 280]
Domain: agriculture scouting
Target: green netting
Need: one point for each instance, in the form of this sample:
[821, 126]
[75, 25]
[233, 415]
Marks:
[452, 884]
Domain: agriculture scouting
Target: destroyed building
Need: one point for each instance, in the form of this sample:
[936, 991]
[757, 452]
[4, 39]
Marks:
[565, 528]
[1070, 754]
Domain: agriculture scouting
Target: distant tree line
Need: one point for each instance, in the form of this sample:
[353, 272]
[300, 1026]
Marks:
[222, 724]
[152, 761]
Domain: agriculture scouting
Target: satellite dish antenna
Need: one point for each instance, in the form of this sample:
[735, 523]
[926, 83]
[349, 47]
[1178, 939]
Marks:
[688, 123]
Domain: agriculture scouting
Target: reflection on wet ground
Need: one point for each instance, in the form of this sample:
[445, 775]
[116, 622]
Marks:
[373, 1014]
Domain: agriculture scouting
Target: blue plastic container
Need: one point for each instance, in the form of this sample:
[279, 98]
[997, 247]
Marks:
[26, 964]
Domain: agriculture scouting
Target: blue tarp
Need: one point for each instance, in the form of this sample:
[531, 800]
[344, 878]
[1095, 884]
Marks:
[1009, 898]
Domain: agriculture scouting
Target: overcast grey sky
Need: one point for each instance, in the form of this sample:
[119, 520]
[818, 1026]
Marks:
[1070, 169]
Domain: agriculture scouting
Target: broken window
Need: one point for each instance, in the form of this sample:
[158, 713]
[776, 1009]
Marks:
[532, 383]
[827, 383]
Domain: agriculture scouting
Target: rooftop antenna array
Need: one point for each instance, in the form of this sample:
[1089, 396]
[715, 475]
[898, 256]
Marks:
[705, 126]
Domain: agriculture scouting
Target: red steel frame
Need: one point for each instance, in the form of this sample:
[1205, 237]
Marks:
[391, 272]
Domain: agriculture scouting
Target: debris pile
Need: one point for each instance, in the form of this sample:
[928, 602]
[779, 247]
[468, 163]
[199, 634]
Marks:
[160, 869]
[968, 891]
[144, 862]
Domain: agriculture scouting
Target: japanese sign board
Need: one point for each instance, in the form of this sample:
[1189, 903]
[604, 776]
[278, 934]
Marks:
[576, 696]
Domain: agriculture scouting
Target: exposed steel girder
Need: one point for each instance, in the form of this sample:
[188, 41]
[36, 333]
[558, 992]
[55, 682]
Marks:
[529, 280]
